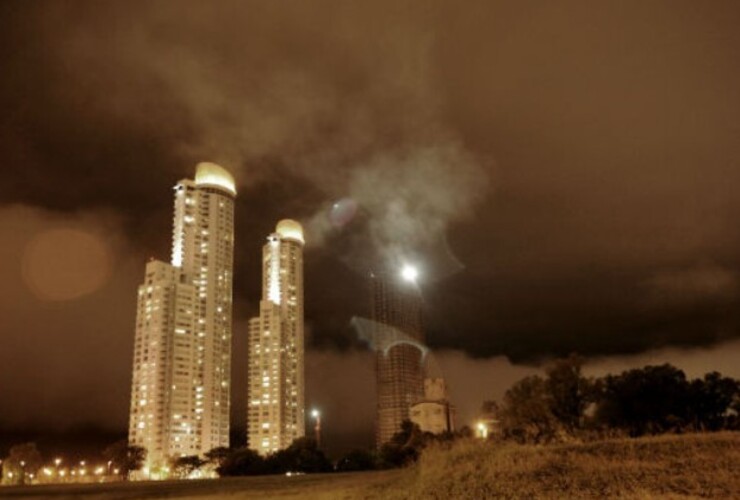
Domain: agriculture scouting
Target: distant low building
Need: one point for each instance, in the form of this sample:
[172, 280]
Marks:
[434, 413]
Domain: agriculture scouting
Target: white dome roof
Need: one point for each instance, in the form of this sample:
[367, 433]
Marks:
[210, 174]
[290, 229]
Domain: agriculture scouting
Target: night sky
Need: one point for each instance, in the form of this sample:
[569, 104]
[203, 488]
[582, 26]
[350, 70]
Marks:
[563, 174]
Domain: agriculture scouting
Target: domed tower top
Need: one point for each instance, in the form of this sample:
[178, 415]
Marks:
[291, 230]
[210, 174]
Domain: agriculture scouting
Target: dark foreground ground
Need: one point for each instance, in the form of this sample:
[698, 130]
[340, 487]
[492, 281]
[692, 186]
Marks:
[348, 485]
[686, 466]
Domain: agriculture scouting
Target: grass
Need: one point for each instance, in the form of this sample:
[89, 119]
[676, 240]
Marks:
[676, 466]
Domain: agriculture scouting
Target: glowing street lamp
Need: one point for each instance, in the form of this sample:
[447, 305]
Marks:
[482, 430]
[316, 414]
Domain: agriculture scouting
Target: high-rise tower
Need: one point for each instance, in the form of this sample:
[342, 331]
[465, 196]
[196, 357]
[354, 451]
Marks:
[276, 409]
[180, 394]
[397, 320]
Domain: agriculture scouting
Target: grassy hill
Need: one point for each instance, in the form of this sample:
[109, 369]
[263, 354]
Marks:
[675, 466]
[684, 466]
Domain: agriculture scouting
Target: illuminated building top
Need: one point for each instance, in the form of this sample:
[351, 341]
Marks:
[210, 174]
[290, 230]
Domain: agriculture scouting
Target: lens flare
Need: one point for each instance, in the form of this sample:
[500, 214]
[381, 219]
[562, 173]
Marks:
[65, 263]
[342, 212]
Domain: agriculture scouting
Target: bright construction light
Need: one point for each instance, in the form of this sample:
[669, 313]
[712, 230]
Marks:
[409, 273]
[482, 430]
[315, 413]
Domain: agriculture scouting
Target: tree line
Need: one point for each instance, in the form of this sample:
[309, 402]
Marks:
[651, 400]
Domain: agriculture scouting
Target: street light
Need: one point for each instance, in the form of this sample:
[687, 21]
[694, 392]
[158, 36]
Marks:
[316, 414]
[482, 430]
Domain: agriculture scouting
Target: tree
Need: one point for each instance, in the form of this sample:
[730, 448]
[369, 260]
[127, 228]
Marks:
[124, 457]
[568, 391]
[527, 412]
[404, 447]
[241, 462]
[303, 455]
[357, 460]
[184, 466]
[710, 400]
[23, 462]
[216, 456]
[649, 400]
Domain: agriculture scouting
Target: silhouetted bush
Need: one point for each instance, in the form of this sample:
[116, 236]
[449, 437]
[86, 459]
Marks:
[301, 456]
[357, 460]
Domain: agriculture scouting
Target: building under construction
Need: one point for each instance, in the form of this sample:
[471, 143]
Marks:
[397, 320]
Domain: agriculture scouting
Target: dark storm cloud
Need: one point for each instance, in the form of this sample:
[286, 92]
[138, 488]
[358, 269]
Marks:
[564, 172]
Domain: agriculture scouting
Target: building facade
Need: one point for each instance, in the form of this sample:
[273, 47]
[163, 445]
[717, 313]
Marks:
[434, 413]
[180, 395]
[275, 405]
[397, 320]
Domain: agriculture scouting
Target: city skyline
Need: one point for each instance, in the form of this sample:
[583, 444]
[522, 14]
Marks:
[561, 175]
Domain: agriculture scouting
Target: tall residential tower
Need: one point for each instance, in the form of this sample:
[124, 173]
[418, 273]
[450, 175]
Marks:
[276, 409]
[182, 352]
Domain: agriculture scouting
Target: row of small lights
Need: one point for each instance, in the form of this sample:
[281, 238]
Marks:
[82, 471]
